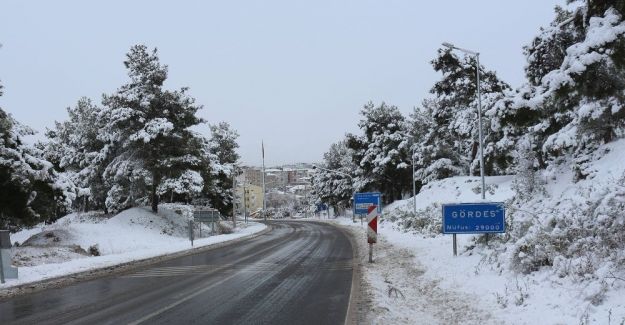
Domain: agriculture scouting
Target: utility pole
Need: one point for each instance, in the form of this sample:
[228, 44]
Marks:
[244, 196]
[479, 111]
[234, 197]
[264, 190]
[414, 185]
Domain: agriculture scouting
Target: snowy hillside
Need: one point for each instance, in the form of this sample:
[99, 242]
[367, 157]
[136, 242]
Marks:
[561, 260]
[85, 241]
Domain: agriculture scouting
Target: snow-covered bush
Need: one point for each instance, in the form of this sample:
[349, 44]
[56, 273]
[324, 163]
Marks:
[224, 228]
[576, 236]
[527, 182]
[426, 221]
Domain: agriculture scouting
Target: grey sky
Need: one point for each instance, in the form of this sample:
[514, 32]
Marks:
[293, 73]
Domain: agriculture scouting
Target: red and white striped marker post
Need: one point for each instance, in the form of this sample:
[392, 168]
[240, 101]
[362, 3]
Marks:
[372, 228]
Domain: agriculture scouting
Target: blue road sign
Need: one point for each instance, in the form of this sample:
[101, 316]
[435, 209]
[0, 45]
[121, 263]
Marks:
[474, 218]
[322, 207]
[362, 201]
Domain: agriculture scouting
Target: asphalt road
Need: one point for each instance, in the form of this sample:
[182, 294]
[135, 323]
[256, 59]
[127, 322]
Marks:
[298, 273]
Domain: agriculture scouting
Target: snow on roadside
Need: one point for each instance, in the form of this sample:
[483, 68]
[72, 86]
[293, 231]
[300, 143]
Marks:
[478, 283]
[132, 235]
[398, 291]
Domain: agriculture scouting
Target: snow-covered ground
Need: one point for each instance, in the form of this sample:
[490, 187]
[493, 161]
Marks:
[63, 248]
[416, 278]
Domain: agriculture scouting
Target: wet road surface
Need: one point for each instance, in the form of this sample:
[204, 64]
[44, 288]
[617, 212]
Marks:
[298, 273]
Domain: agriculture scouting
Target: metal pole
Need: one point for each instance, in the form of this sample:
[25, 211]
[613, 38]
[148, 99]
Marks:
[234, 201]
[1, 267]
[305, 201]
[455, 246]
[191, 232]
[244, 202]
[213, 222]
[414, 186]
[479, 115]
[370, 253]
[264, 189]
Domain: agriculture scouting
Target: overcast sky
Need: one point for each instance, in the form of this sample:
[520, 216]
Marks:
[294, 73]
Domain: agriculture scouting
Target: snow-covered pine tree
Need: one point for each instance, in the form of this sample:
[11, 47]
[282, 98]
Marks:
[223, 157]
[382, 152]
[421, 132]
[574, 98]
[455, 115]
[149, 136]
[334, 188]
[27, 191]
[76, 149]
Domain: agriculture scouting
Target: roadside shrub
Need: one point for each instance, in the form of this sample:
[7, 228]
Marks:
[426, 221]
[224, 228]
[574, 239]
[94, 250]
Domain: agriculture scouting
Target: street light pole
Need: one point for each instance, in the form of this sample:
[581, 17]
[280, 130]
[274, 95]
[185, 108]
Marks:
[479, 111]
[414, 185]
[234, 197]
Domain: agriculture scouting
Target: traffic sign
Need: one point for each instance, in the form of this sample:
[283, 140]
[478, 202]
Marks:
[372, 224]
[210, 215]
[474, 218]
[362, 201]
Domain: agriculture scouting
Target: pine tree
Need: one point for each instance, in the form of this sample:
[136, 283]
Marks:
[455, 113]
[149, 136]
[335, 188]
[573, 101]
[75, 148]
[27, 190]
[223, 157]
[382, 152]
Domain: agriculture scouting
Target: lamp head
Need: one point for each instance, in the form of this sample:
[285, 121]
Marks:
[449, 45]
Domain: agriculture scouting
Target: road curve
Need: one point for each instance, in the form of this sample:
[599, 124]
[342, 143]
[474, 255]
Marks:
[298, 273]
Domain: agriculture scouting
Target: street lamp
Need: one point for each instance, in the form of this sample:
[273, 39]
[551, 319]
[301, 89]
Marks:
[414, 184]
[479, 110]
[343, 174]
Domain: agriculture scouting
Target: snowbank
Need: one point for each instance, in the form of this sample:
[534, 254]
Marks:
[581, 282]
[64, 247]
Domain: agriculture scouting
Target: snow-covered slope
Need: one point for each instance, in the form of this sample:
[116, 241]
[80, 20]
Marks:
[68, 245]
[562, 260]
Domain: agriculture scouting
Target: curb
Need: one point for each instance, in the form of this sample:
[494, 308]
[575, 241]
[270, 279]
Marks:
[72, 278]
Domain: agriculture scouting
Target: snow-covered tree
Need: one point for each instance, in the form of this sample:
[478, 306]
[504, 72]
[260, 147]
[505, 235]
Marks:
[432, 157]
[574, 98]
[382, 152]
[28, 194]
[455, 116]
[148, 135]
[335, 188]
[78, 153]
[223, 157]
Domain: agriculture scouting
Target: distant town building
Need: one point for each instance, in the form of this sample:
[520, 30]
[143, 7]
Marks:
[250, 198]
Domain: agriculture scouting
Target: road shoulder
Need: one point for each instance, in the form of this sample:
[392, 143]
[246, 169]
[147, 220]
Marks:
[394, 290]
[74, 277]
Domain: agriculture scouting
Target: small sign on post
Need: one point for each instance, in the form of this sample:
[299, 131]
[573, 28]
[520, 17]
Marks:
[473, 218]
[206, 215]
[191, 232]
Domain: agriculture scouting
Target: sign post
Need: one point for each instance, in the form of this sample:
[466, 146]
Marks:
[369, 204]
[191, 232]
[372, 229]
[473, 218]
